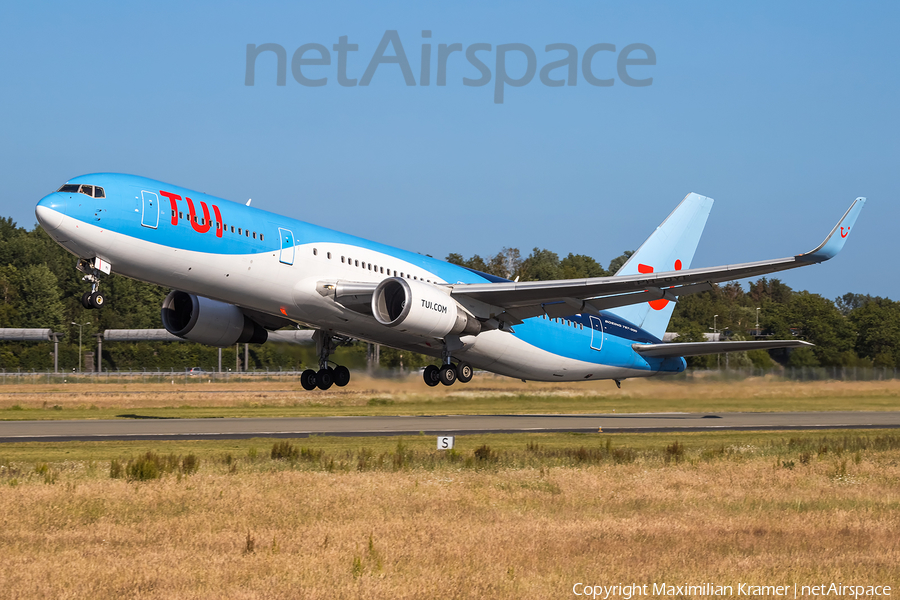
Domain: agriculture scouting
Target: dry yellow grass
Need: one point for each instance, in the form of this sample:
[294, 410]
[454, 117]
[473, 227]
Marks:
[484, 395]
[270, 531]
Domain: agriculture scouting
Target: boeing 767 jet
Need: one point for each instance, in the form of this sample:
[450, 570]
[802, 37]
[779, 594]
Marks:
[237, 271]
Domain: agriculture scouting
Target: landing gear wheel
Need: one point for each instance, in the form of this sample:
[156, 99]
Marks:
[324, 378]
[431, 375]
[447, 375]
[308, 380]
[464, 372]
[341, 376]
[86, 300]
[97, 300]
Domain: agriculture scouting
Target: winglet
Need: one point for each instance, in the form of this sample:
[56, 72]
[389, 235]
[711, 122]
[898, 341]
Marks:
[833, 243]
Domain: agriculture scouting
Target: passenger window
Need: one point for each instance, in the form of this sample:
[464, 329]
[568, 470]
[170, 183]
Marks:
[329, 255]
[254, 235]
[382, 270]
[232, 229]
[342, 259]
[260, 237]
[247, 232]
[180, 215]
[357, 263]
[370, 266]
[239, 231]
[315, 252]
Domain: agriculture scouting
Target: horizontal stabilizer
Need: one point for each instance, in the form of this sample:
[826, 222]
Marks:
[700, 348]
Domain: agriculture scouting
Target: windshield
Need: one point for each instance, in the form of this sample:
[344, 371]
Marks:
[94, 191]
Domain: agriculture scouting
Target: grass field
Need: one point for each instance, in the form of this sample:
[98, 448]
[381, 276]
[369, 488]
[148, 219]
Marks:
[523, 516]
[486, 395]
[504, 515]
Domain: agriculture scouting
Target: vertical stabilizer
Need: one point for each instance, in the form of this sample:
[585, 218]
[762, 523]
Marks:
[670, 248]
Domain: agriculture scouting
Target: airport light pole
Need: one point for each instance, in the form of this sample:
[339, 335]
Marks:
[715, 329]
[757, 320]
[80, 328]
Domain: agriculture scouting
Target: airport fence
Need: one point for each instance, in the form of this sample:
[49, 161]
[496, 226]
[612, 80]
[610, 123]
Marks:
[187, 377]
[794, 374]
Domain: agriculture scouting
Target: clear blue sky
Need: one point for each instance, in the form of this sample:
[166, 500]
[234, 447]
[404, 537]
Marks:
[782, 112]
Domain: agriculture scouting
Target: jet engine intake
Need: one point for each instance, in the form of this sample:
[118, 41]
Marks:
[420, 309]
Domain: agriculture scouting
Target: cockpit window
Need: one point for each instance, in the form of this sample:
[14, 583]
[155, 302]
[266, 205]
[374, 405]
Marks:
[88, 190]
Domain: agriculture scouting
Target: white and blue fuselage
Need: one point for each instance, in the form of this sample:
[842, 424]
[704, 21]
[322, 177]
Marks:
[261, 261]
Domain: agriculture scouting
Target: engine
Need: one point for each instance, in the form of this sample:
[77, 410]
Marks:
[210, 322]
[420, 309]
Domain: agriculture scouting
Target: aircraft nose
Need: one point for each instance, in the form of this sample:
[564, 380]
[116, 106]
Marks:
[50, 210]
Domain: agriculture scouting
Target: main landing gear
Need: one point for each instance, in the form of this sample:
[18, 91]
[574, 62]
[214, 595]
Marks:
[93, 298]
[448, 374]
[326, 376]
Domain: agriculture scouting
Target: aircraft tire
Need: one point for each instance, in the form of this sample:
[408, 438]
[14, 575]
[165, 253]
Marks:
[324, 378]
[464, 372]
[431, 375]
[86, 300]
[97, 300]
[447, 375]
[341, 376]
[308, 380]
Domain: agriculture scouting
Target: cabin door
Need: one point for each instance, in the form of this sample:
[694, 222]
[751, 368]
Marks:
[150, 212]
[287, 246]
[596, 333]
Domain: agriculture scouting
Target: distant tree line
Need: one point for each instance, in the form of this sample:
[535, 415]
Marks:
[39, 287]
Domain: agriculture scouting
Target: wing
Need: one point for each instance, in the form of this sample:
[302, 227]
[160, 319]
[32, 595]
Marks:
[509, 303]
[699, 348]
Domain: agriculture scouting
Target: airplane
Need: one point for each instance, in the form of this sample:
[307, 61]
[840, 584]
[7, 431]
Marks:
[237, 272]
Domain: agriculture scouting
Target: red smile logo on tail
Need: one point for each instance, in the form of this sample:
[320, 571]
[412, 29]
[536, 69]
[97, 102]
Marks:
[843, 235]
[661, 303]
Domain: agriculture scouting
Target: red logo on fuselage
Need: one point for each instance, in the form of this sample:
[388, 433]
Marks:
[843, 235]
[192, 214]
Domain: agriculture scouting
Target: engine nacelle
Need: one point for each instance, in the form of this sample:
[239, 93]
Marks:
[210, 322]
[420, 309]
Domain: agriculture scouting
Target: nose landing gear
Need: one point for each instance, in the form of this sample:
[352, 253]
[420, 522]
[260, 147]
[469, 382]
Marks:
[92, 298]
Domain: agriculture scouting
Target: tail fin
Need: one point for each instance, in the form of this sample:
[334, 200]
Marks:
[670, 248]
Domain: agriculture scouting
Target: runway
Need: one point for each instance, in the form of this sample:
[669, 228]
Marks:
[138, 428]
